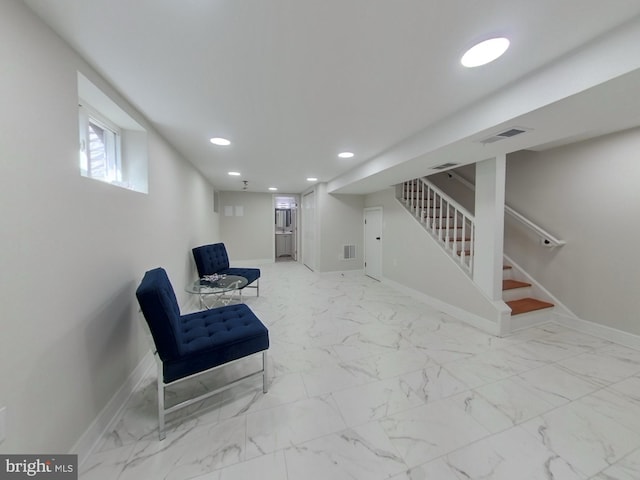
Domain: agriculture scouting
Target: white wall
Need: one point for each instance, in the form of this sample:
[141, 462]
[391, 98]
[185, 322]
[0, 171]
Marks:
[340, 222]
[72, 249]
[249, 236]
[586, 194]
[412, 258]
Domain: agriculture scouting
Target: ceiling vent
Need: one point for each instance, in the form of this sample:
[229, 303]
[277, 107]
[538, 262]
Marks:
[510, 132]
[444, 166]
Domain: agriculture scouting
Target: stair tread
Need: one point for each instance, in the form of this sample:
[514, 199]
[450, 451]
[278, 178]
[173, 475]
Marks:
[511, 284]
[525, 305]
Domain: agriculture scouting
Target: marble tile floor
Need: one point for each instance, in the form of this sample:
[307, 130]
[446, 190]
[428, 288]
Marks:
[369, 383]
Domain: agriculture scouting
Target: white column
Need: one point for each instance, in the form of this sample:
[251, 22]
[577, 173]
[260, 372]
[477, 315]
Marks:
[489, 230]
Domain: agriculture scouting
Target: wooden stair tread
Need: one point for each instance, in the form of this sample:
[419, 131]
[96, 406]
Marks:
[511, 284]
[506, 267]
[525, 305]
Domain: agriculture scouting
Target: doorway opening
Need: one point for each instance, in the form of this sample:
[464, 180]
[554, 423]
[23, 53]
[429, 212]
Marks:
[286, 228]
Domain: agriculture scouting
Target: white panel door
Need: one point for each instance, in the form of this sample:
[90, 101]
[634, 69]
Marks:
[373, 242]
[309, 230]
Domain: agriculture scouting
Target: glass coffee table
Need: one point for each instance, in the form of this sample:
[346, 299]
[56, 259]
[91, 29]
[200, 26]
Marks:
[215, 291]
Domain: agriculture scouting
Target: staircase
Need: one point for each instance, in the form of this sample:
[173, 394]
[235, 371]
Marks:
[452, 226]
[517, 295]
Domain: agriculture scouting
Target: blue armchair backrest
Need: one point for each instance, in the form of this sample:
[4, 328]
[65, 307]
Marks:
[161, 311]
[210, 259]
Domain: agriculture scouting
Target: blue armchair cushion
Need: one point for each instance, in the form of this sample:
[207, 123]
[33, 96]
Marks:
[192, 343]
[213, 258]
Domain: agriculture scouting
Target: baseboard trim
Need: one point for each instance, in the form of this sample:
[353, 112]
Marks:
[484, 324]
[88, 442]
[352, 273]
[601, 331]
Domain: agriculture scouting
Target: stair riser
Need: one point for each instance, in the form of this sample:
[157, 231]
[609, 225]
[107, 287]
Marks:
[516, 293]
[525, 320]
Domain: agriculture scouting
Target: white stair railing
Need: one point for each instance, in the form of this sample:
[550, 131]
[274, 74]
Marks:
[446, 220]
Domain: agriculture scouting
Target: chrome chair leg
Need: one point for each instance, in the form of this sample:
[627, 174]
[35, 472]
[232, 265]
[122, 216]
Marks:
[265, 388]
[161, 433]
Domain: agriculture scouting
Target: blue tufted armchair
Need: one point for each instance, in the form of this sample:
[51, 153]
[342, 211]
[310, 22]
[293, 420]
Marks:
[213, 258]
[188, 345]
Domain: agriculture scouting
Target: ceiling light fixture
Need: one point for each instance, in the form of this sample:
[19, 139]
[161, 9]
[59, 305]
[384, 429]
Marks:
[346, 155]
[273, 189]
[485, 52]
[221, 142]
[312, 179]
[235, 174]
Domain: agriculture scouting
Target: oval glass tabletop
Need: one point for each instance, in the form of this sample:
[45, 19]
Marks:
[227, 283]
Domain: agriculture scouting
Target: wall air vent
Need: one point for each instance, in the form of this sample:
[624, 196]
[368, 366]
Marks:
[349, 252]
[444, 165]
[510, 132]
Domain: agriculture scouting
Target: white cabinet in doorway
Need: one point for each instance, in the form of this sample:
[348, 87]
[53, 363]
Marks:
[284, 245]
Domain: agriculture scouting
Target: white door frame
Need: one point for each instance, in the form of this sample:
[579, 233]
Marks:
[367, 261]
[308, 223]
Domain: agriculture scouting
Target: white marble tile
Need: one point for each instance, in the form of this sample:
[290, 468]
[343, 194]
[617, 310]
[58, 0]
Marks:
[512, 397]
[477, 407]
[434, 383]
[345, 349]
[139, 420]
[267, 467]
[578, 339]
[627, 468]
[249, 397]
[600, 369]
[512, 454]
[546, 351]
[620, 352]
[557, 386]
[424, 433]
[332, 378]
[434, 470]
[489, 367]
[374, 340]
[620, 402]
[629, 387]
[586, 439]
[362, 452]
[188, 453]
[296, 359]
[291, 424]
[443, 349]
[392, 364]
[371, 401]
[105, 465]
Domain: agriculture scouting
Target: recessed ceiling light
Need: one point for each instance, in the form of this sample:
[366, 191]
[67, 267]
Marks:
[221, 142]
[234, 174]
[312, 179]
[345, 155]
[485, 52]
[273, 189]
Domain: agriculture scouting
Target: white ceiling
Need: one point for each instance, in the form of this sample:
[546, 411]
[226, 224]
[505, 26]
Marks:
[294, 82]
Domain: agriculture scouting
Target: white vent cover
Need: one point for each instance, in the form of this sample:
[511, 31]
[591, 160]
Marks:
[349, 252]
[444, 165]
[508, 133]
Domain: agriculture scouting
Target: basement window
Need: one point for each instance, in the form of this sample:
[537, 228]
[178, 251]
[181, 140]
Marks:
[100, 151]
[113, 146]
